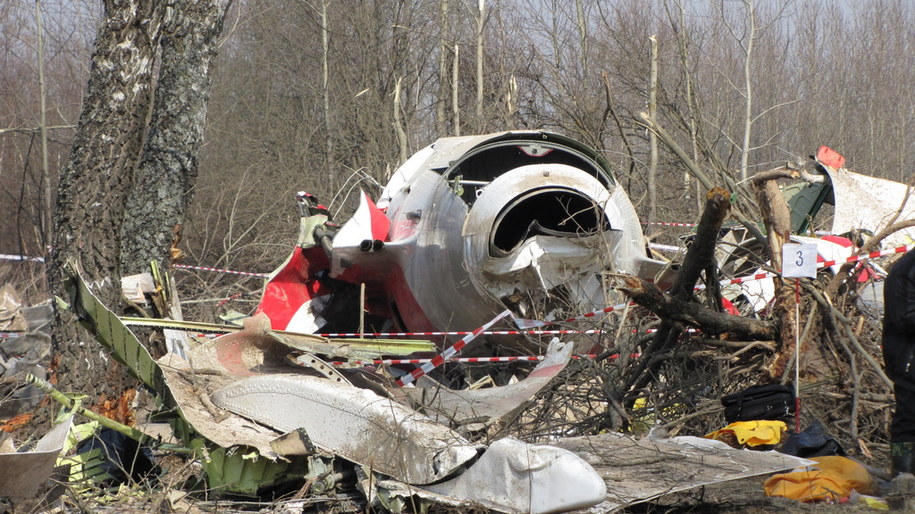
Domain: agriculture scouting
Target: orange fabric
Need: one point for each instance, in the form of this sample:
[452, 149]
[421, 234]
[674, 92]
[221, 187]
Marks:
[830, 479]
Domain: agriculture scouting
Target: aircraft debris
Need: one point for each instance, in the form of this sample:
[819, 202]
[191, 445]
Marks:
[638, 470]
[467, 227]
[526, 221]
[863, 208]
[367, 429]
[24, 472]
[476, 409]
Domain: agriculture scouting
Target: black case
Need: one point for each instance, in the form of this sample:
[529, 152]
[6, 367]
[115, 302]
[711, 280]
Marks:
[772, 402]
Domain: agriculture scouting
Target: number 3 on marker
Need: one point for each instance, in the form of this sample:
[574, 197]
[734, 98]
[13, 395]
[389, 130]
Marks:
[799, 260]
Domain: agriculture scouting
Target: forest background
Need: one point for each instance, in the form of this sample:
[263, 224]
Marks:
[328, 96]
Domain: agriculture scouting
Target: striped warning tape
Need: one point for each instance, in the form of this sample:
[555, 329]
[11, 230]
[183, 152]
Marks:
[462, 333]
[515, 358]
[449, 353]
[824, 264]
[391, 335]
[871, 255]
[220, 270]
[738, 280]
[667, 224]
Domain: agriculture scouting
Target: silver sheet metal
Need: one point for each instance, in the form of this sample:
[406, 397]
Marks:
[22, 474]
[486, 406]
[864, 202]
[513, 476]
[353, 423]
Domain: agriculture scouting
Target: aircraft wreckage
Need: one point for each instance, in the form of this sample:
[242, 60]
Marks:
[466, 228]
[514, 225]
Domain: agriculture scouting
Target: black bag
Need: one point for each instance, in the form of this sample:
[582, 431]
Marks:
[771, 402]
[812, 442]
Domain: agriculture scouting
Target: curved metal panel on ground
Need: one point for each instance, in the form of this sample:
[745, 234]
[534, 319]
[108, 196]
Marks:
[354, 423]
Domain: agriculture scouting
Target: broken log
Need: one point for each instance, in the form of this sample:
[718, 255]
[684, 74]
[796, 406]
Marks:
[695, 314]
[777, 219]
[677, 307]
[702, 250]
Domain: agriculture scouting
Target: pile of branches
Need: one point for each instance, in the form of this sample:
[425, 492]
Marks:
[675, 354]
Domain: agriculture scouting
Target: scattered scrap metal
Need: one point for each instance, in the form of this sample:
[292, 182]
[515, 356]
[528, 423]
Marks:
[468, 227]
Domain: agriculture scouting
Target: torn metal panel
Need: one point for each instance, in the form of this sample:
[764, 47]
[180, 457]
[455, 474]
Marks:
[353, 423]
[464, 228]
[10, 305]
[864, 202]
[238, 472]
[190, 389]
[112, 332]
[512, 476]
[22, 474]
[136, 287]
[640, 470]
[20, 356]
[482, 407]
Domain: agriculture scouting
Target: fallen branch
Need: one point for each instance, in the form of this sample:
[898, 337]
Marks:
[696, 315]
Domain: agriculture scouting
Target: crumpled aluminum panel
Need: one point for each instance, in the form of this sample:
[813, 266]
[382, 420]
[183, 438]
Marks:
[513, 476]
[864, 202]
[638, 470]
[23, 473]
[354, 423]
[490, 405]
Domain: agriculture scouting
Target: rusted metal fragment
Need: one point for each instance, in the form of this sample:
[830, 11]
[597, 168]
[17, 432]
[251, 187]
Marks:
[22, 474]
[487, 406]
[353, 423]
[640, 470]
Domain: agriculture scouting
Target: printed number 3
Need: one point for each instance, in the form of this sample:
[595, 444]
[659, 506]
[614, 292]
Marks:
[800, 259]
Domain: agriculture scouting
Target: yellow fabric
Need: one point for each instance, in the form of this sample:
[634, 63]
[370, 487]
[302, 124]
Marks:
[831, 478]
[751, 433]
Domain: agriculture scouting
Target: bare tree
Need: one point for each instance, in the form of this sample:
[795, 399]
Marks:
[100, 173]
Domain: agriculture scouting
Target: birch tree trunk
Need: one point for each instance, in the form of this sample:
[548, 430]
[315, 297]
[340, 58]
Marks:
[167, 171]
[441, 121]
[652, 137]
[95, 183]
[118, 199]
[748, 90]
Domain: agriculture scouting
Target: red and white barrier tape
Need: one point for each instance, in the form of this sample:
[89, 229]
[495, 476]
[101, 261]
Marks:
[872, 255]
[449, 353]
[824, 264]
[219, 270]
[524, 358]
[461, 333]
[667, 224]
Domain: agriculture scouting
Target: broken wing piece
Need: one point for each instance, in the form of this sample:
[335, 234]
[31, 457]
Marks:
[354, 423]
[513, 476]
[113, 334]
[490, 405]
